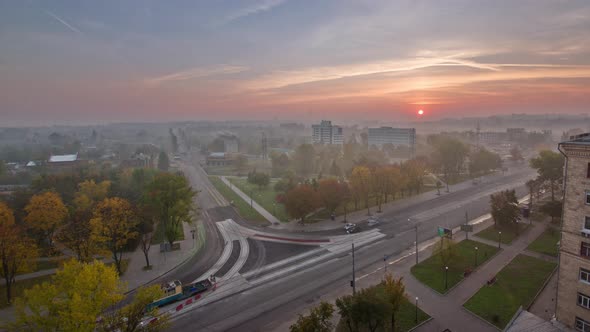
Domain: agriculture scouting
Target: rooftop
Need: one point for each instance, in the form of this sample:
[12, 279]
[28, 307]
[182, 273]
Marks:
[582, 139]
[63, 158]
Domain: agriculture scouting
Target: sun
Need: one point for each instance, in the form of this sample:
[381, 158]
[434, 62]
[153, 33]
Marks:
[420, 112]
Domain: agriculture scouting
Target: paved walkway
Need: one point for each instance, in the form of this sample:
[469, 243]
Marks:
[273, 220]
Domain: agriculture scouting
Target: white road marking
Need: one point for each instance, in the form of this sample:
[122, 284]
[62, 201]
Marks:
[227, 249]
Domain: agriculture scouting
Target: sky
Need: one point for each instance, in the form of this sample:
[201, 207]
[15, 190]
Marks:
[86, 61]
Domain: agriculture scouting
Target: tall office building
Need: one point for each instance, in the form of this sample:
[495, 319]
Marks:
[326, 133]
[395, 136]
[573, 288]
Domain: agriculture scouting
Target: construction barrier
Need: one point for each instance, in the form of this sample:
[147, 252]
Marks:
[179, 307]
[188, 302]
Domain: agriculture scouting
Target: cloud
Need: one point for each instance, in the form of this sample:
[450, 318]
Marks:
[63, 22]
[261, 6]
[197, 72]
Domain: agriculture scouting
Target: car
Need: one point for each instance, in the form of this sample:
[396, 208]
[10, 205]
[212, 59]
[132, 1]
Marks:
[351, 228]
[372, 221]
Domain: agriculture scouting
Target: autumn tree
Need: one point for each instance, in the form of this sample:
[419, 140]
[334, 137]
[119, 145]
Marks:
[395, 293]
[393, 181]
[301, 201]
[449, 157]
[130, 317]
[259, 178]
[445, 250]
[414, 170]
[345, 306]
[483, 161]
[505, 210]
[72, 301]
[369, 308]
[330, 192]
[171, 196]
[360, 184]
[549, 166]
[45, 212]
[113, 225]
[318, 320]
[145, 228]
[532, 186]
[17, 252]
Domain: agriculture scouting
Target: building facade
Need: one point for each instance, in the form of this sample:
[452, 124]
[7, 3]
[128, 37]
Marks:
[395, 136]
[326, 133]
[573, 288]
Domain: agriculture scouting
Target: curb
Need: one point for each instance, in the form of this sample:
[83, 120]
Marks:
[423, 323]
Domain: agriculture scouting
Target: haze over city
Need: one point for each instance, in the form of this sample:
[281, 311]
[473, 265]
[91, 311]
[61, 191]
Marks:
[95, 62]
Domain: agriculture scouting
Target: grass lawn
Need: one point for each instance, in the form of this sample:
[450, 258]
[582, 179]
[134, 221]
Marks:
[242, 206]
[546, 243]
[406, 319]
[431, 271]
[516, 285]
[508, 233]
[266, 197]
[19, 287]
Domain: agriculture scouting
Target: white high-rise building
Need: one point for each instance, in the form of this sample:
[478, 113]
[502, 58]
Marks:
[326, 133]
[395, 136]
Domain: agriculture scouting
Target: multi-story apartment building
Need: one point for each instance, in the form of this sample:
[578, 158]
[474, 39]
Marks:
[326, 133]
[395, 136]
[573, 289]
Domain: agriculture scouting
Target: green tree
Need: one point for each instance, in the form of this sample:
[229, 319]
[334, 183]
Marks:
[505, 210]
[449, 157]
[113, 225]
[549, 166]
[73, 300]
[17, 252]
[345, 306]
[370, 308]
[532, 186]
[446, 250]
[163, 161]
[553, 209]
[172, 197]
[258, 178]
[483, 161]
[301, 201]
[304, 159]
[318, 320]
[395, 293]
[280, 163]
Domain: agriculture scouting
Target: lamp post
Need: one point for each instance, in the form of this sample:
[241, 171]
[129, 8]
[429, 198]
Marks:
[499, 239]
[416, 310]
[416, 228]
[446, 277]
[274, 209]
[251, 203]
[476, 248]
[193, 234]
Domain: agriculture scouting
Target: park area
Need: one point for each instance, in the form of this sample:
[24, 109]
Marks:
[516, 285]
[509, 233]
[546, 243]
[243, 207]
[465, 257]
[265, 196]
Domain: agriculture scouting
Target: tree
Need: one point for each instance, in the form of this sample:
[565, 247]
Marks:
[438, 186]
[483, 161]
[173, 140]
[301, 201]
[369, 308]
[318, 320]
[45, 212]
[516, 154]
[280, 164]
[395, 293]
[414, 171]
[334, 169]
[241, 162]
[532, 186]
[76, 234]
[113, 225]
[330, 192]
[304, 159]
[129, 318]
[449, 157]
[89, 193]
[145, 229]
[505, 210]
[393, 181]
[17, 252]
[360, 183]
[172, 197]
[163, 161]
[553, 209]
[260, 179]
[345, 307]
[77, 294]
[549, 166]
[446, 250]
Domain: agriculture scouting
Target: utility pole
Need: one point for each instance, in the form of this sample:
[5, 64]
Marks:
[353, 282]
[416, 227]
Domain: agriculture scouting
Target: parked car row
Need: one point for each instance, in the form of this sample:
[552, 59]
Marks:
[350, 228]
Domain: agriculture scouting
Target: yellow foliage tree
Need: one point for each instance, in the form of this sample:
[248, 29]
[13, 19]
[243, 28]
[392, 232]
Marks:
[17, 252]
[89, 193]
[72, 301]
[360, 184]
[45, 212]
[113, 225]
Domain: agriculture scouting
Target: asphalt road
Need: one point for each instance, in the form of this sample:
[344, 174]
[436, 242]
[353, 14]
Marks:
[264, 307]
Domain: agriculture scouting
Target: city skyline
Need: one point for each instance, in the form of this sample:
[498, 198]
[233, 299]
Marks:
[88, 63]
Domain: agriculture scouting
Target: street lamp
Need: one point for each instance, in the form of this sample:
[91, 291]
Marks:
[251, 203]
[446, 277]
[476, 256]
[193, 234]
[499, 239]
[416, 310]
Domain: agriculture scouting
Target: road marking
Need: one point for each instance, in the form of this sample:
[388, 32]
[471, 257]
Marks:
[283, 262]
[227, 249]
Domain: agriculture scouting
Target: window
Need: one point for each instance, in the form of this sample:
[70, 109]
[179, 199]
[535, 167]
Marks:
[588, 171]
[582, 325]
[585, 275]
[588, 197]
[583, 301]
[587, 223]
[585, 250]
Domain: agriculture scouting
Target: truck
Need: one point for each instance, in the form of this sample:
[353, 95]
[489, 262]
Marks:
[174, 291]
